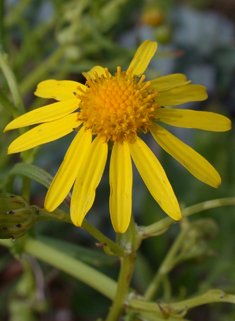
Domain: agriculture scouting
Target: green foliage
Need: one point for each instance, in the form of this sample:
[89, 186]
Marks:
[179, 265]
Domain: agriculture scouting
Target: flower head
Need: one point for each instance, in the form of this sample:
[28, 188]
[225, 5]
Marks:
[117, 108]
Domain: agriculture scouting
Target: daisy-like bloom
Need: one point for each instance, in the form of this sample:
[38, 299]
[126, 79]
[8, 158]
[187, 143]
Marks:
[114, 110]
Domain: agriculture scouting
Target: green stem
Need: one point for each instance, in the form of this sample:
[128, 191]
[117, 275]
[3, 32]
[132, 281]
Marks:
[127, 267]
[12, 83]
[41, 71]
[167, 290]
[59, 215]
[131, 241]
[210, 296]
[167, 264]
[114, 248]
[165, 223]
[65, 263]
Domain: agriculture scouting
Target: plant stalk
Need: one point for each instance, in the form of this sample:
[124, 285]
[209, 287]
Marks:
[210, 296]
[167, 264]
[127, 267]
[165, 223]
[59, 215]
[131, 241]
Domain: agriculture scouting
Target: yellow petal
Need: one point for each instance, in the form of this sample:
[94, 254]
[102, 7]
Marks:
[58, 89]
[155, 178]
[193, 119]
[142, 57]
[44, 133]
[185, 155]
[100, 71]
[181, 95]
[68, 170]
[120, 187]
[88, 179]
[44, 114]
[168, 82]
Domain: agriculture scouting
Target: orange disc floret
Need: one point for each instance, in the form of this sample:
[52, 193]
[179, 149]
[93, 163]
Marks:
[117, 107]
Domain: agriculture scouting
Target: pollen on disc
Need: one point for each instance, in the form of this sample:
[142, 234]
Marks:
[117, 107]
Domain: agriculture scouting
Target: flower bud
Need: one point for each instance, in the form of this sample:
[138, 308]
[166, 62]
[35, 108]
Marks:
[16, 216]
[153, 16]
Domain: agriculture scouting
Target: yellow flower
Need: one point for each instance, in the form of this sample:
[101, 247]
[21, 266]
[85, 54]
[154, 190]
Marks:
[116, 109]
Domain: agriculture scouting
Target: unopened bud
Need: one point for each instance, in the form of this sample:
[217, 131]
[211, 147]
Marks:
[16, 216]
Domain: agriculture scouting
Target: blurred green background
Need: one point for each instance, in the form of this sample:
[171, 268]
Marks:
[59, 39]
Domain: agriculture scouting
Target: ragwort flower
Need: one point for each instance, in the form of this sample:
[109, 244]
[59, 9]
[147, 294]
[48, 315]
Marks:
[116, 109]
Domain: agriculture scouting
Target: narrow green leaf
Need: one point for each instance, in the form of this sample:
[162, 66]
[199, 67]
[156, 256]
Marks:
[12, 82]
[33, 172]
[86, 255]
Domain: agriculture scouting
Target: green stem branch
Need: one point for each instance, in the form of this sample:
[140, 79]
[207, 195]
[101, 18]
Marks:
[167, 264]
[127, 267]
[165, 223]
[210, 296]
[59, 215]
[131, 241]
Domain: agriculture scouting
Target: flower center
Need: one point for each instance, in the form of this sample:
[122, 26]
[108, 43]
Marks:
[117, 107]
